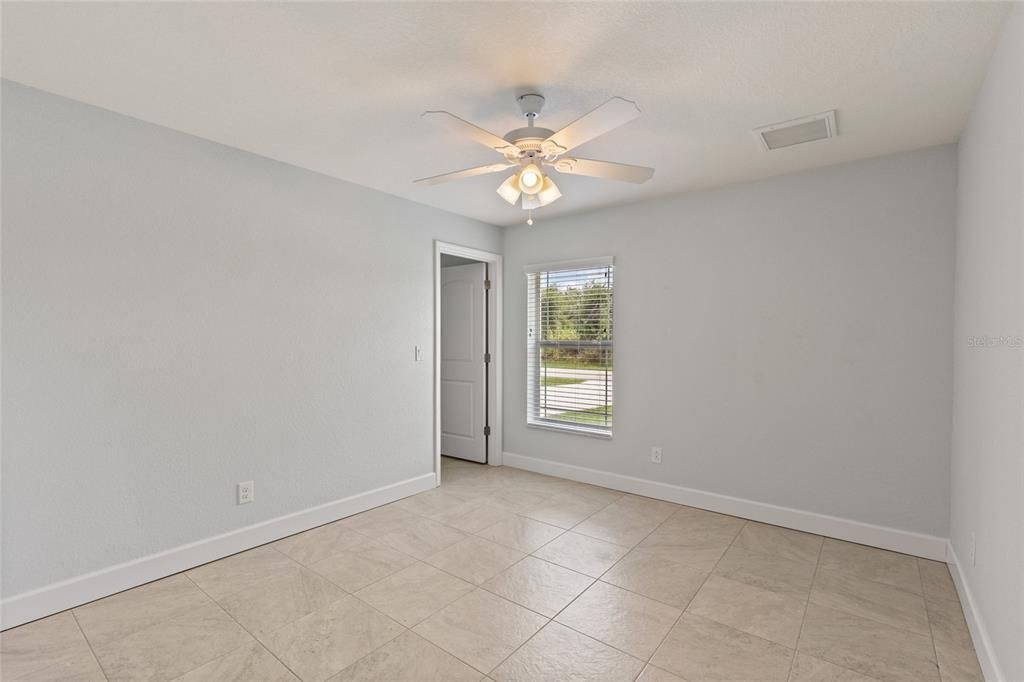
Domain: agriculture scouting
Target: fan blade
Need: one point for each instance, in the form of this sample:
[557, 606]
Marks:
[475, 133]
[609, 116]
[467, 173]
[603, 169]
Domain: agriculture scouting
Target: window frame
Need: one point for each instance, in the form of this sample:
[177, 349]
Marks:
[534, 345]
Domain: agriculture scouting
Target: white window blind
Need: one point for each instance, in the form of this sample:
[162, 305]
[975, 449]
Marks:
[569, 345]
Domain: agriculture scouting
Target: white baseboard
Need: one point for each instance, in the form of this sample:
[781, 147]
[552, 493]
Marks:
[907, 542]
[979, 633]
[28, 606]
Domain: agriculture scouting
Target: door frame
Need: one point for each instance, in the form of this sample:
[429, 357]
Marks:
[494, 261]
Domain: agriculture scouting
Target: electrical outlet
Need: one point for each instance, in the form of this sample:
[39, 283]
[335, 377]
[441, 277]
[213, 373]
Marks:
[246, 492]
[656, 455]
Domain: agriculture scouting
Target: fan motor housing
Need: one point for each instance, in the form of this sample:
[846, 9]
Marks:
[529, 139]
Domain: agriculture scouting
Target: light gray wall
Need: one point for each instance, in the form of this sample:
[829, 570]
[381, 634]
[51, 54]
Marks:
[180, 316]
[988, 415]
[786, 341]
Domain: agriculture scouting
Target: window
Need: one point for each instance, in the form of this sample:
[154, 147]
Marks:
[569, 346]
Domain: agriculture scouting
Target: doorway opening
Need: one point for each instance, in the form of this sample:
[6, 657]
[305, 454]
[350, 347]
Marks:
[467, 355]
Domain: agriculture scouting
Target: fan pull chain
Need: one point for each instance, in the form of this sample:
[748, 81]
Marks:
[529, 220]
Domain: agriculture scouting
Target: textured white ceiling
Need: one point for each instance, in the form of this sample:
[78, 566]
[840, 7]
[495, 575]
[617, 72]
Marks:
[339, 87]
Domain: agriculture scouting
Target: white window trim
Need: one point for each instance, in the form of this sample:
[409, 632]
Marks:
[578, 264]
[553, 425]
[562, 427]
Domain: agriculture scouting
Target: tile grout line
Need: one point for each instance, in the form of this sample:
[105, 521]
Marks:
[928, 616]
[807, 603]
[480, 537]
[551, 619]
[629, 549]
[545, 498]
[836, 608]
[401, 625]
[92, 651]
[594, 581]
[915, 559]
[441, 570]
[245, 629]
[531, 556]
[605, 572]
[697, 591]
[487, 672]
[598, 579]
[161, 621]
[449, 573]
[459, 598]
[871, 618]
[475, 588]
[112, 594]
[404, 629]
[682, 610]
[374, 582]
[807, 600]
[475, 535]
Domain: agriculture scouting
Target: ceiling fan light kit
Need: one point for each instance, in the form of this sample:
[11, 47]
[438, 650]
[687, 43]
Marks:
[534, 149]
[530, 179]
[509, 190]
[548, 193]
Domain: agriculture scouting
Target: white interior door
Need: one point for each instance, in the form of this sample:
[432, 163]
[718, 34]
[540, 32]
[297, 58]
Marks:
[463, 371]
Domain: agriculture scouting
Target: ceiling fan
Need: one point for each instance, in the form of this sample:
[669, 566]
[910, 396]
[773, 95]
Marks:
[532, 150]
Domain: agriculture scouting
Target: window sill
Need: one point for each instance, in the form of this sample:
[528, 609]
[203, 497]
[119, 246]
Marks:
[567, 428]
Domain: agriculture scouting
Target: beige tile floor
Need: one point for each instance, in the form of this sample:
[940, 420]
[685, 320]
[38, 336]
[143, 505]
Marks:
[506, 575]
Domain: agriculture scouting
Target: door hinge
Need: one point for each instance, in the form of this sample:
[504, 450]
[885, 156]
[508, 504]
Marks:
[487, 284]
[487, 358]
[487, 430]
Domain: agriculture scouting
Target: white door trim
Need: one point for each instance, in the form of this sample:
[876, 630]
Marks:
[494, 260]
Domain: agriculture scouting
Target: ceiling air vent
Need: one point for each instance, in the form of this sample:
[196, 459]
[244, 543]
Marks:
[788, 133]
